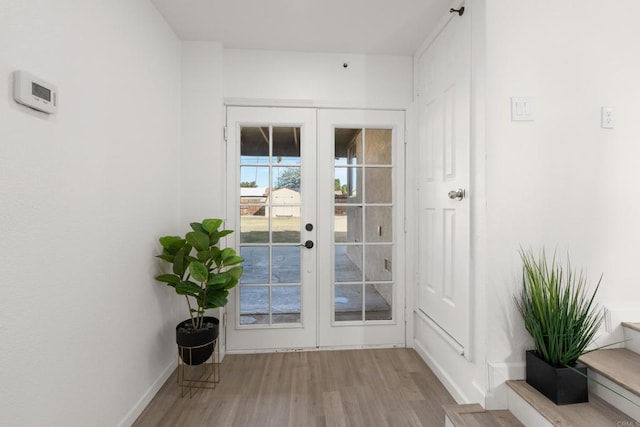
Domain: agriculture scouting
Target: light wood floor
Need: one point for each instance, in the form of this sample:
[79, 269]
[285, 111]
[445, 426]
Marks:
[380, 387]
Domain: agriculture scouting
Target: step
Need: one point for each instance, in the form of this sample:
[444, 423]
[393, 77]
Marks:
[632, 336]
[534, 409]
[632, 325]
[619, 370]
[474, 415]
[620, 365]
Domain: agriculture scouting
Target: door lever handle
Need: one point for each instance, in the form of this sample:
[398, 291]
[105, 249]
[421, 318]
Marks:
[308, 244]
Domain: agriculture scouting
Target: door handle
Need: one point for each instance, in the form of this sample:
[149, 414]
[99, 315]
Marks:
[457, 194]
[308, 244]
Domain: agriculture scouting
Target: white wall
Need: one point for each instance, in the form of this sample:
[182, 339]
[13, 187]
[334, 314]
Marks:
[203, 166]
[84, 329]
[561, 180]
[203, 151]
[319, 79]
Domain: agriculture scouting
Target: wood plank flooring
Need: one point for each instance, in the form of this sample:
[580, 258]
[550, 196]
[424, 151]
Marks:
[377, 387]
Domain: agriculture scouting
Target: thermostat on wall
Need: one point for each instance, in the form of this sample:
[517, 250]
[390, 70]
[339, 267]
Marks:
[34, 92]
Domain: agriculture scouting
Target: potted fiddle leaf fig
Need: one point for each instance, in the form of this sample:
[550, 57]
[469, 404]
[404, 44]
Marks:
[563, 318]
[204, 274]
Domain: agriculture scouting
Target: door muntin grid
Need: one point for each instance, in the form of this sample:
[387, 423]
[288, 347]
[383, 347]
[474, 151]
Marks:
[270, 209]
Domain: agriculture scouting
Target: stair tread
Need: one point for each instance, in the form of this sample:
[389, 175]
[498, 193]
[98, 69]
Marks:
[596, 412]
[632, 325]
[620, 365]
[474, 415]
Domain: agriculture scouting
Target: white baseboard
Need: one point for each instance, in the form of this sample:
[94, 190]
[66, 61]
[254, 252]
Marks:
[498, 373]
[444, 378]
[142, 403]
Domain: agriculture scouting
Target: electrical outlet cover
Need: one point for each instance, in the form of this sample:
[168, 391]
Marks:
[607, 118]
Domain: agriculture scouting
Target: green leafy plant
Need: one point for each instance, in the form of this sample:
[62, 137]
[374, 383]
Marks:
[201, 270]
[558, 312]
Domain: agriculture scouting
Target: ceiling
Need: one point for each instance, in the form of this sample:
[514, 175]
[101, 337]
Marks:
[396, 27]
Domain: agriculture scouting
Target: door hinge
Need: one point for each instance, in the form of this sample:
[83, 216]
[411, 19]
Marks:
[224, 133]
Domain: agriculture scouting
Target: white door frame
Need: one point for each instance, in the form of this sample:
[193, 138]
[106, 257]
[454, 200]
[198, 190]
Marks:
[400, 312]
[242, 338]
[372, 332]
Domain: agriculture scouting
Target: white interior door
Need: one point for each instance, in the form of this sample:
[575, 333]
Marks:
[319, 220]
[361, 217]
[271, 157]
[444, 115]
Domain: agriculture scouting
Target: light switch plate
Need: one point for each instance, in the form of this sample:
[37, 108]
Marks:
[522, 108]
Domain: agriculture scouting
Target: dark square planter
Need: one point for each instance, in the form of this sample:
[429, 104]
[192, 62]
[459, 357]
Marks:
[562, 386]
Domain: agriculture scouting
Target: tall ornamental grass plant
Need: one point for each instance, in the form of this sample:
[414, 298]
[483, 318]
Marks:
[557, 309]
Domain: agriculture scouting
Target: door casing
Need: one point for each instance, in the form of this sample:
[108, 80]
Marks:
[350, 336]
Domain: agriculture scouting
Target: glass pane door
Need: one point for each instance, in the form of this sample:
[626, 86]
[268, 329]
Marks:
[274, 200]
[318, 220]
[363, 225]
[269, 209]
[360, 288]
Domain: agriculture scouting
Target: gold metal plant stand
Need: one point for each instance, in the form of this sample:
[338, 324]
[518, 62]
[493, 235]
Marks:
[199, 376]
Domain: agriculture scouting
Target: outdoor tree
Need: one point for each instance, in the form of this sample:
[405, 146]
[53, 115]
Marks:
[342, 188]
[289, 178]
[248, 184]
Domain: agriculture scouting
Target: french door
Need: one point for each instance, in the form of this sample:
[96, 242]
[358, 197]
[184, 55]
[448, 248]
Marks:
[361, 215]
[315, 197]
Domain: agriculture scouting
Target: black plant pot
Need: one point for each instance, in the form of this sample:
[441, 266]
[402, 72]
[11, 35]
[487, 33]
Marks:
[195, 347]
[561, 385]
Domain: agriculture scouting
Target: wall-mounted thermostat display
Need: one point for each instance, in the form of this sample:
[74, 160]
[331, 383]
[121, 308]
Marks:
[34, 92]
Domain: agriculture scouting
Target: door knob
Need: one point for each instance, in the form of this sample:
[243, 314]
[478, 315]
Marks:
[457, 194]
[308, 244]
